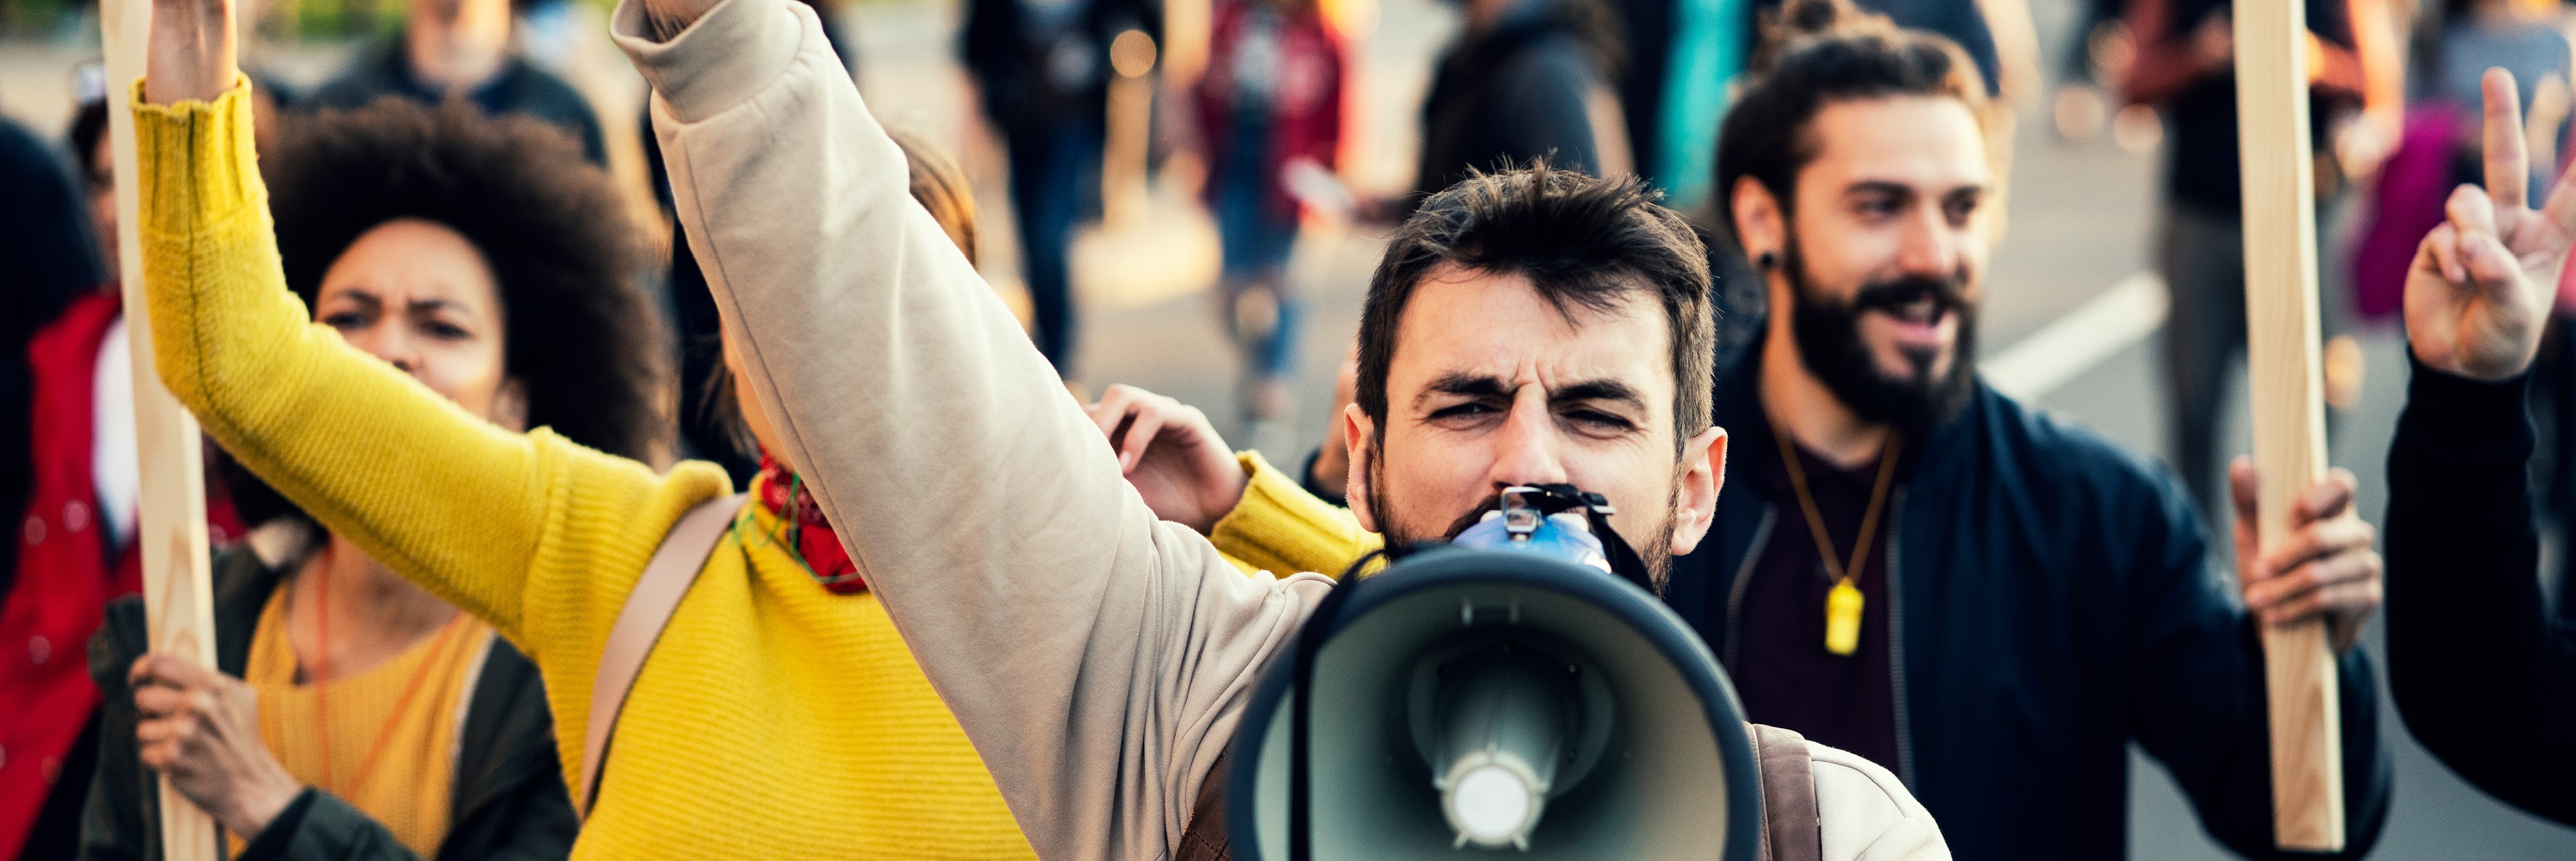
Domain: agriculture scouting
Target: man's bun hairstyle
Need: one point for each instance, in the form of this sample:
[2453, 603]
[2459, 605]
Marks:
[1582, 241]
[1815, 52]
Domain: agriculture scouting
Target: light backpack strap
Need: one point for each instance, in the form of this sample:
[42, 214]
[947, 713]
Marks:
[1792, 827]
[648, 608]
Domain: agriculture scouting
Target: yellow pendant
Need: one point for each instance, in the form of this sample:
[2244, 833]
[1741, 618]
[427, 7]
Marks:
[1842, 618]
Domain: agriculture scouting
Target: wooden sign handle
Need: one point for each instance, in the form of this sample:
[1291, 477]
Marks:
[2289, 410]
[171, 533]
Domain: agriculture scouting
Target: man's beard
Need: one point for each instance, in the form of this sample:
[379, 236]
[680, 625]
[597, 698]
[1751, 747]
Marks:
[1657, 552]
[1829, 340]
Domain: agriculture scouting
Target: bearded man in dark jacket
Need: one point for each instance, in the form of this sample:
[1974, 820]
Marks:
[2031, 597]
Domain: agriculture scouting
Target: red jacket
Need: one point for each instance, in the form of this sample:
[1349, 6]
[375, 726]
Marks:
[66, 572]
[1306, 113]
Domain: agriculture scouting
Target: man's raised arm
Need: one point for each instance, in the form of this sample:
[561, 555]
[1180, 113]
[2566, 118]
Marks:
[1097, 658]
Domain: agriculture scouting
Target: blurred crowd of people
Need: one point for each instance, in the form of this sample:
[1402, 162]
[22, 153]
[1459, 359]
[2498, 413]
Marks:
[1944, 589]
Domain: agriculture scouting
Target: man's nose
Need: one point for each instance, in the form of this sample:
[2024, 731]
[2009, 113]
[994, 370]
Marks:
[1528, 446]
[1929, 245]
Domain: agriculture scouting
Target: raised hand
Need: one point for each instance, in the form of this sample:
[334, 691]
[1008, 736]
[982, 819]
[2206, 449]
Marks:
[193, 54]
[200, 730]
[2480, 288]
[1171, 455]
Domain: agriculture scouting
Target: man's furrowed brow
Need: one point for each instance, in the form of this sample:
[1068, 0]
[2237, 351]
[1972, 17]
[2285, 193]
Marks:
[1465, 384]
[1900, 189]
[1599, 390]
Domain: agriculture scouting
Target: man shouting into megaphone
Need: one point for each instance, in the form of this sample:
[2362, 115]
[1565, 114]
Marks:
[1530, 327]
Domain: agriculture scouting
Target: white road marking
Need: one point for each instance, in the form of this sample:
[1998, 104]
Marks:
[2067, 347]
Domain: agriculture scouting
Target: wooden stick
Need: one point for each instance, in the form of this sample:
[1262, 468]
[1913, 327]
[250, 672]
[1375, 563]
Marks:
[171, 535]
[2289, 412]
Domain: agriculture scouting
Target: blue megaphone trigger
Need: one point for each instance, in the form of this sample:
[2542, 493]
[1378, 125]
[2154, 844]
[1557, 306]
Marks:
[1563, 535]
[1560, 522]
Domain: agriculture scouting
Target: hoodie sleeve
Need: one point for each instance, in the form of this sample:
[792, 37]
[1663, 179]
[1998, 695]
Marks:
[1098, 658]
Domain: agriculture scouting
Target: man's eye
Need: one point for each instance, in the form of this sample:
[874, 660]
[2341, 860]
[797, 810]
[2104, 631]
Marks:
[444, 331]
[1599, 419]
[345, 320]
[1960, 210]
[1468, 409]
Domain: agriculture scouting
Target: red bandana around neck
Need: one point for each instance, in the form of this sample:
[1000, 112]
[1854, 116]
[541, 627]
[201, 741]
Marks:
[808, 535]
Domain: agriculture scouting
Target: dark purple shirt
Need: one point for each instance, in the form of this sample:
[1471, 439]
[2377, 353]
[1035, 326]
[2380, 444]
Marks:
[1778, 661]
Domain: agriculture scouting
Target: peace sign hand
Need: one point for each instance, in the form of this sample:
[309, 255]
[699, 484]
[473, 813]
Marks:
[2480, 288]
[192, 55]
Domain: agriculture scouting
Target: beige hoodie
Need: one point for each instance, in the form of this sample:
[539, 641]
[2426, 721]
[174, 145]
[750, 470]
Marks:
[1098, 657]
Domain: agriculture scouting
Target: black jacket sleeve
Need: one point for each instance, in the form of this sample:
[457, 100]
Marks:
[121, 822]
[2483, 676]
[2197, 703]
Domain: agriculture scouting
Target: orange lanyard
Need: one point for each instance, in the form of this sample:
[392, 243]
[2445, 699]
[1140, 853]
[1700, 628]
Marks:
[322, 683]
[1843, 604]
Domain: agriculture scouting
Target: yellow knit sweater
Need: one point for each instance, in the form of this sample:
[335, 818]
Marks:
[1280, 528]
[774, 720]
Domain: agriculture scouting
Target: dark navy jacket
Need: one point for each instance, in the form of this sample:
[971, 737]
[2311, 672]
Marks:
[2052, 601]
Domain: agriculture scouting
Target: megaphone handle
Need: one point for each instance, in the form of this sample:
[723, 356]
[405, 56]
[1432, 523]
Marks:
[1310, 642]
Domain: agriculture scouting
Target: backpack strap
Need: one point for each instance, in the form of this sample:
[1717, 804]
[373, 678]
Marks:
[649, 606]
[1792, 829]
[1204, 839]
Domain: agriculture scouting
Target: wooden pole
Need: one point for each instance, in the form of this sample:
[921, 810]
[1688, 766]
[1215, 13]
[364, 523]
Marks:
[2289, 411]
[171, 534]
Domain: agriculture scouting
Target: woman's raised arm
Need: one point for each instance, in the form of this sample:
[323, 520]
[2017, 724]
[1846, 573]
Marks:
[439, 495]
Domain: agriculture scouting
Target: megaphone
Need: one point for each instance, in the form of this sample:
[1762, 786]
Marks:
[1513, 700]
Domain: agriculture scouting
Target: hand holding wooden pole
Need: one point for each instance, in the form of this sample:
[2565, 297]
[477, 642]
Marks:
[2289, 414]
[171, 533]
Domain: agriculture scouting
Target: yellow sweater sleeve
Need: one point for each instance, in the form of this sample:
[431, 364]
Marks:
[537, 535]
[1280, 528]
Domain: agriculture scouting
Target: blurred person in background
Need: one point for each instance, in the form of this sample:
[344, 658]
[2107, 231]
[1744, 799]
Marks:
[2031, 599]
[2483, 674]
[1041, 74]
[779, 713]
[45, 212]
[350, 713]
[1270, 115]
[74, 548]
[1686, 54]
[1690, 56]
[2078, 105]
[463, 48]
[1526, 81]
[2186, 66]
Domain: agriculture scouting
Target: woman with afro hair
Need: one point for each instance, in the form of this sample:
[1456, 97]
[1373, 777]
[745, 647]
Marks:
[770, 710]
[358, 715]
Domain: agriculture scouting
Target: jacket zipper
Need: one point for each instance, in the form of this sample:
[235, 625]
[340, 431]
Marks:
[1744, 576]
[1896, 640]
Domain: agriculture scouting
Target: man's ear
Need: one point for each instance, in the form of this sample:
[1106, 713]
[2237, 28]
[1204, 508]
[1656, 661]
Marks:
[1360, 487]
[1703, 474]
[1760, 227]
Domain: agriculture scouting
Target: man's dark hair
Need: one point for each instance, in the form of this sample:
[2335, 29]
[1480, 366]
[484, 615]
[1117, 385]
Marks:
[580, 336]
[1816, 52]
[1581, 241]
